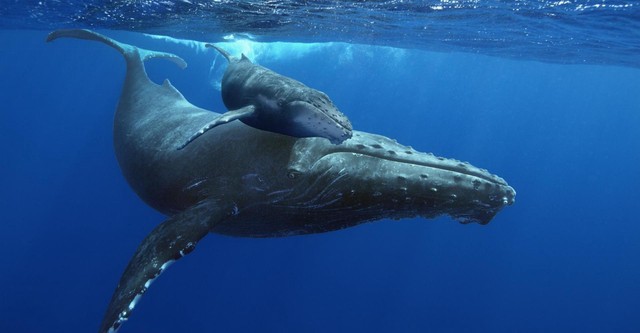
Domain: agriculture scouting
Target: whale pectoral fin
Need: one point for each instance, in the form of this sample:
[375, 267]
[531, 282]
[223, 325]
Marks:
[232, 115]
[170, 241]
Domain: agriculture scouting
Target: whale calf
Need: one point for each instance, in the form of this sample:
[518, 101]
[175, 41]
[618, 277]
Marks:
[264, 99]
[241, 181]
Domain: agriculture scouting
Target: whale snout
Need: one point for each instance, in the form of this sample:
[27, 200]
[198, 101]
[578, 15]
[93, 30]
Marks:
[320, 119]
[389, 180]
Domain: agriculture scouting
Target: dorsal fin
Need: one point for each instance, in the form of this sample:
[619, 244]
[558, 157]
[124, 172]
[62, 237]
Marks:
[171, 89]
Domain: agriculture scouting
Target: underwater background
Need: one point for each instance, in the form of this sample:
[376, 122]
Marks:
[559, 121]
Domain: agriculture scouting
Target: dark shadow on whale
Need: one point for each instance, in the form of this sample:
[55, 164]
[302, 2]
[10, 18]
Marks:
[241, 181]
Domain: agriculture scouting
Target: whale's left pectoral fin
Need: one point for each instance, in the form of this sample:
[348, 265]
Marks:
[168, 242]
[229, 116]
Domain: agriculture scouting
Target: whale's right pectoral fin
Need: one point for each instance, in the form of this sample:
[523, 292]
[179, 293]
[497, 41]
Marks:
[168, 242]
[240, 113]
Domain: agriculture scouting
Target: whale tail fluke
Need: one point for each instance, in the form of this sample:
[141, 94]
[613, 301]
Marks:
[128, 51]
[222, 51]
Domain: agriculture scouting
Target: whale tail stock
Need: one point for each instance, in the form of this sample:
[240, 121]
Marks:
[177, 235]
[130, 52]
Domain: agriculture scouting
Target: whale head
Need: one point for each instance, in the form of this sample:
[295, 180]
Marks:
[313, 114]
[370, 177]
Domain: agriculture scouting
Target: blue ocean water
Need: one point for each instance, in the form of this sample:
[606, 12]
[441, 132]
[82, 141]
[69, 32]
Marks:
[563, 258]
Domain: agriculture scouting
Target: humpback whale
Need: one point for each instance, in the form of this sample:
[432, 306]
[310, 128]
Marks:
[264, 99]
[241, 181]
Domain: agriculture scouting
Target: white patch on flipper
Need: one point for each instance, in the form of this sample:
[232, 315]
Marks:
[148, 283]
[135, 301]
[165, 265]
[124, 315]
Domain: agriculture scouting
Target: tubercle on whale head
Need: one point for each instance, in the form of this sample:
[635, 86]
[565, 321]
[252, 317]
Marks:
[380, 178]
[316, 114]
[311, 121]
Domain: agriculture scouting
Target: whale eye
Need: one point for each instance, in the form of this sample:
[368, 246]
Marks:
[293, 174]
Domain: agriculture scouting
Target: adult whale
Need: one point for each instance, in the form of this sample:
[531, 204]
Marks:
[241, 181]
